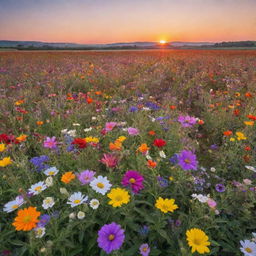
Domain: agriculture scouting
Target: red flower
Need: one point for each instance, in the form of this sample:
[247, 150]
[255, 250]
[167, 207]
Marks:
[236, 112]
[247, 148]
[252, 117]
[159, 143]
[80, 142]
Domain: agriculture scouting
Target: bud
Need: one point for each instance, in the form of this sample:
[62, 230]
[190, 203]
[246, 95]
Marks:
[72, 216]
[49, 181]
[80, 215]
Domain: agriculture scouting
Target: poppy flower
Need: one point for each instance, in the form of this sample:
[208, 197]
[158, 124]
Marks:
[159, 143]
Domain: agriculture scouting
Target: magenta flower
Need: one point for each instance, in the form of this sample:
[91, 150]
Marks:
[132, 131]
[144, 249]
[50, 143]
[134, 180]
[110, 237]
[109, 160]
[187, 160]
[187, 121]
[110, 126]
[86, 176]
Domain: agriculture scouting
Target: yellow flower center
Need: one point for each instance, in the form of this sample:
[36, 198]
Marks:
[197, 241]
[77, 201]
[100, 185]
[27, 219]
[119, 198]
[165, 207]
[249, 250]
[39, 232]
[187, 161]
[39, 188]
[144, 249]
[15, 206]
[51, 172]
[111, 237]
[132, 180]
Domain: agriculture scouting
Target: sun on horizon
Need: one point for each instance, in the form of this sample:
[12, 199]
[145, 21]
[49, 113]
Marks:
[162, 42]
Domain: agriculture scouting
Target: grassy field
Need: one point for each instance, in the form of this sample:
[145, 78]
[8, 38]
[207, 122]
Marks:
[159, 144]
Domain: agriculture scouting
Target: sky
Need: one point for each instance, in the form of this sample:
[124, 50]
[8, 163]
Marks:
[108, 21]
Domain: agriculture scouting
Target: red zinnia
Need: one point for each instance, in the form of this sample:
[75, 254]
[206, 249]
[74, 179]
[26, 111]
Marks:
[80, 142]
[159, 143]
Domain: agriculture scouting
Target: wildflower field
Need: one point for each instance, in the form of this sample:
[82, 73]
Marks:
[128, 153]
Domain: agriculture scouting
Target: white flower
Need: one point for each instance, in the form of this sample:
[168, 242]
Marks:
[64, 191]
[101, 185]
[80, 215]
[201, 198]
[39, 232]
[77, 198]
[148, 157]
[87, 129]
[72, 133]
[248, 248]
[94, 118]
[146, 109]
[251, 168]
[13, 205]
[48, 202]
[76, 124]
[37, 188]
[212, 169]
[162, 154]
[94, 203]
[52, 171]
[64, 131]
[72, 216]
[49, 181]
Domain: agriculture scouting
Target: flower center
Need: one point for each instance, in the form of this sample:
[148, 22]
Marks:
[249, 250]
[132, 180]
[39, 188]
[77, 201]
[119, 198]
[197, 241]
[100, 185]
[144, 249]
[51, 173]
[15, 206]
[27, 219]
[39, 232]
[187, 161]
[111, 237]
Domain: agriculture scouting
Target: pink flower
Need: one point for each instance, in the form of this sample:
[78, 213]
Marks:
[132, 131]
[134, 180]
[211, 203]
[110, 126]
[109, 160]
[50, 143]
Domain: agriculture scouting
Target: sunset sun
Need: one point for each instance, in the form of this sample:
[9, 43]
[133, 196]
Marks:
[162, 42]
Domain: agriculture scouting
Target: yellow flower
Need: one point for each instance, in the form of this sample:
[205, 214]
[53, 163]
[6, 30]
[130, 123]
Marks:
[5, 161]
[166, 205]
[249, 123]
[19, 102]
[118, 197]
[2, 147]
[171, 178]
[121, 139]
[198, 240]
[91, 139]
[232, 139]
[240, 136]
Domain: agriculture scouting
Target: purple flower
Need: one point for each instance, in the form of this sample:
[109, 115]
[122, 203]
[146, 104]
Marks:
[144, 250]
[187, 160]
[110, 237]
[144, 230]
[174, 159]
[187, 121]
[133, 109]
[220, 187]
[38, 162]
[162, 182]
[134, 180]
[86, 176]
[44, 219]
[50, 143]
[132, 131]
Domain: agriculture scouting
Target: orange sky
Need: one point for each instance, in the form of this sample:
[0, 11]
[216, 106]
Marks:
[105, 21]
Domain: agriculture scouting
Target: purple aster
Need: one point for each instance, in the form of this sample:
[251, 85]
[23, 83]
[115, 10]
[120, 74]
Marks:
[134, 180]
[38, 162]
[187, 121]
[220, 187]
[110, 237]
[187, 160]
[133, 109]
[144, 250]
[50, 143]
[44, 219]
[162, 182]
[86, 176]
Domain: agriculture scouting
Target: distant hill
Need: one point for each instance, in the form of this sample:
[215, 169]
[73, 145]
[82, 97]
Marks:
[37, 45]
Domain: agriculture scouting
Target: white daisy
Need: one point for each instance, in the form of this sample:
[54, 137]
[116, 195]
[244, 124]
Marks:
[248, 248]
[80, 215]
[37, 188]
[251, 168]
[48, 202]
[77, 198]
[94, 203]
[201, 198]
[39, 232]
[52, 171]
[13, 205]
[162, 154]
[101, 185]
[87, 129]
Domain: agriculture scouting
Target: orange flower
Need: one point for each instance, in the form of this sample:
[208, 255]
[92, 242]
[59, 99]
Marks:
[228, 133]
[39, 122]
[172, 107]
[89, 100]
[98, 92]
[248, 95]
[236, 112]
[200, 121]
[117, 145]
[67, 177]
[249, 123]
[143, 148]
[152, 164]
[26, 219]
[19, 102]
[152, 133]
[21, 138]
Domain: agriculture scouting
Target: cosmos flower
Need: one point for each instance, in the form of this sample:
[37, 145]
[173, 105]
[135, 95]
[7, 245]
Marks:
[86, 176]
[144, 249]
[26, 219]
[118, 197]
[187, 121]
[187, 160]
[134, 180]
[13, 205]
[50, 143]
[198, 240]
[110, 126]
[101, 185]
[77, 198]
[110, 237]
[132, 131]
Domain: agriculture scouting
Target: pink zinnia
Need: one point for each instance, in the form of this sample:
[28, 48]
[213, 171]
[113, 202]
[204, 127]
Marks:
[110, 126]
[50, 143]
[134, 180]
[109, 160]
[132, 131]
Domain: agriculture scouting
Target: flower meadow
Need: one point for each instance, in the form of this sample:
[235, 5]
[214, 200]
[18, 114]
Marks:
[128, 153]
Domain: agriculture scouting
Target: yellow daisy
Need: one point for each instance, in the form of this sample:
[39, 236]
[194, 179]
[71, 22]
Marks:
[118, 197]
[166, 205]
